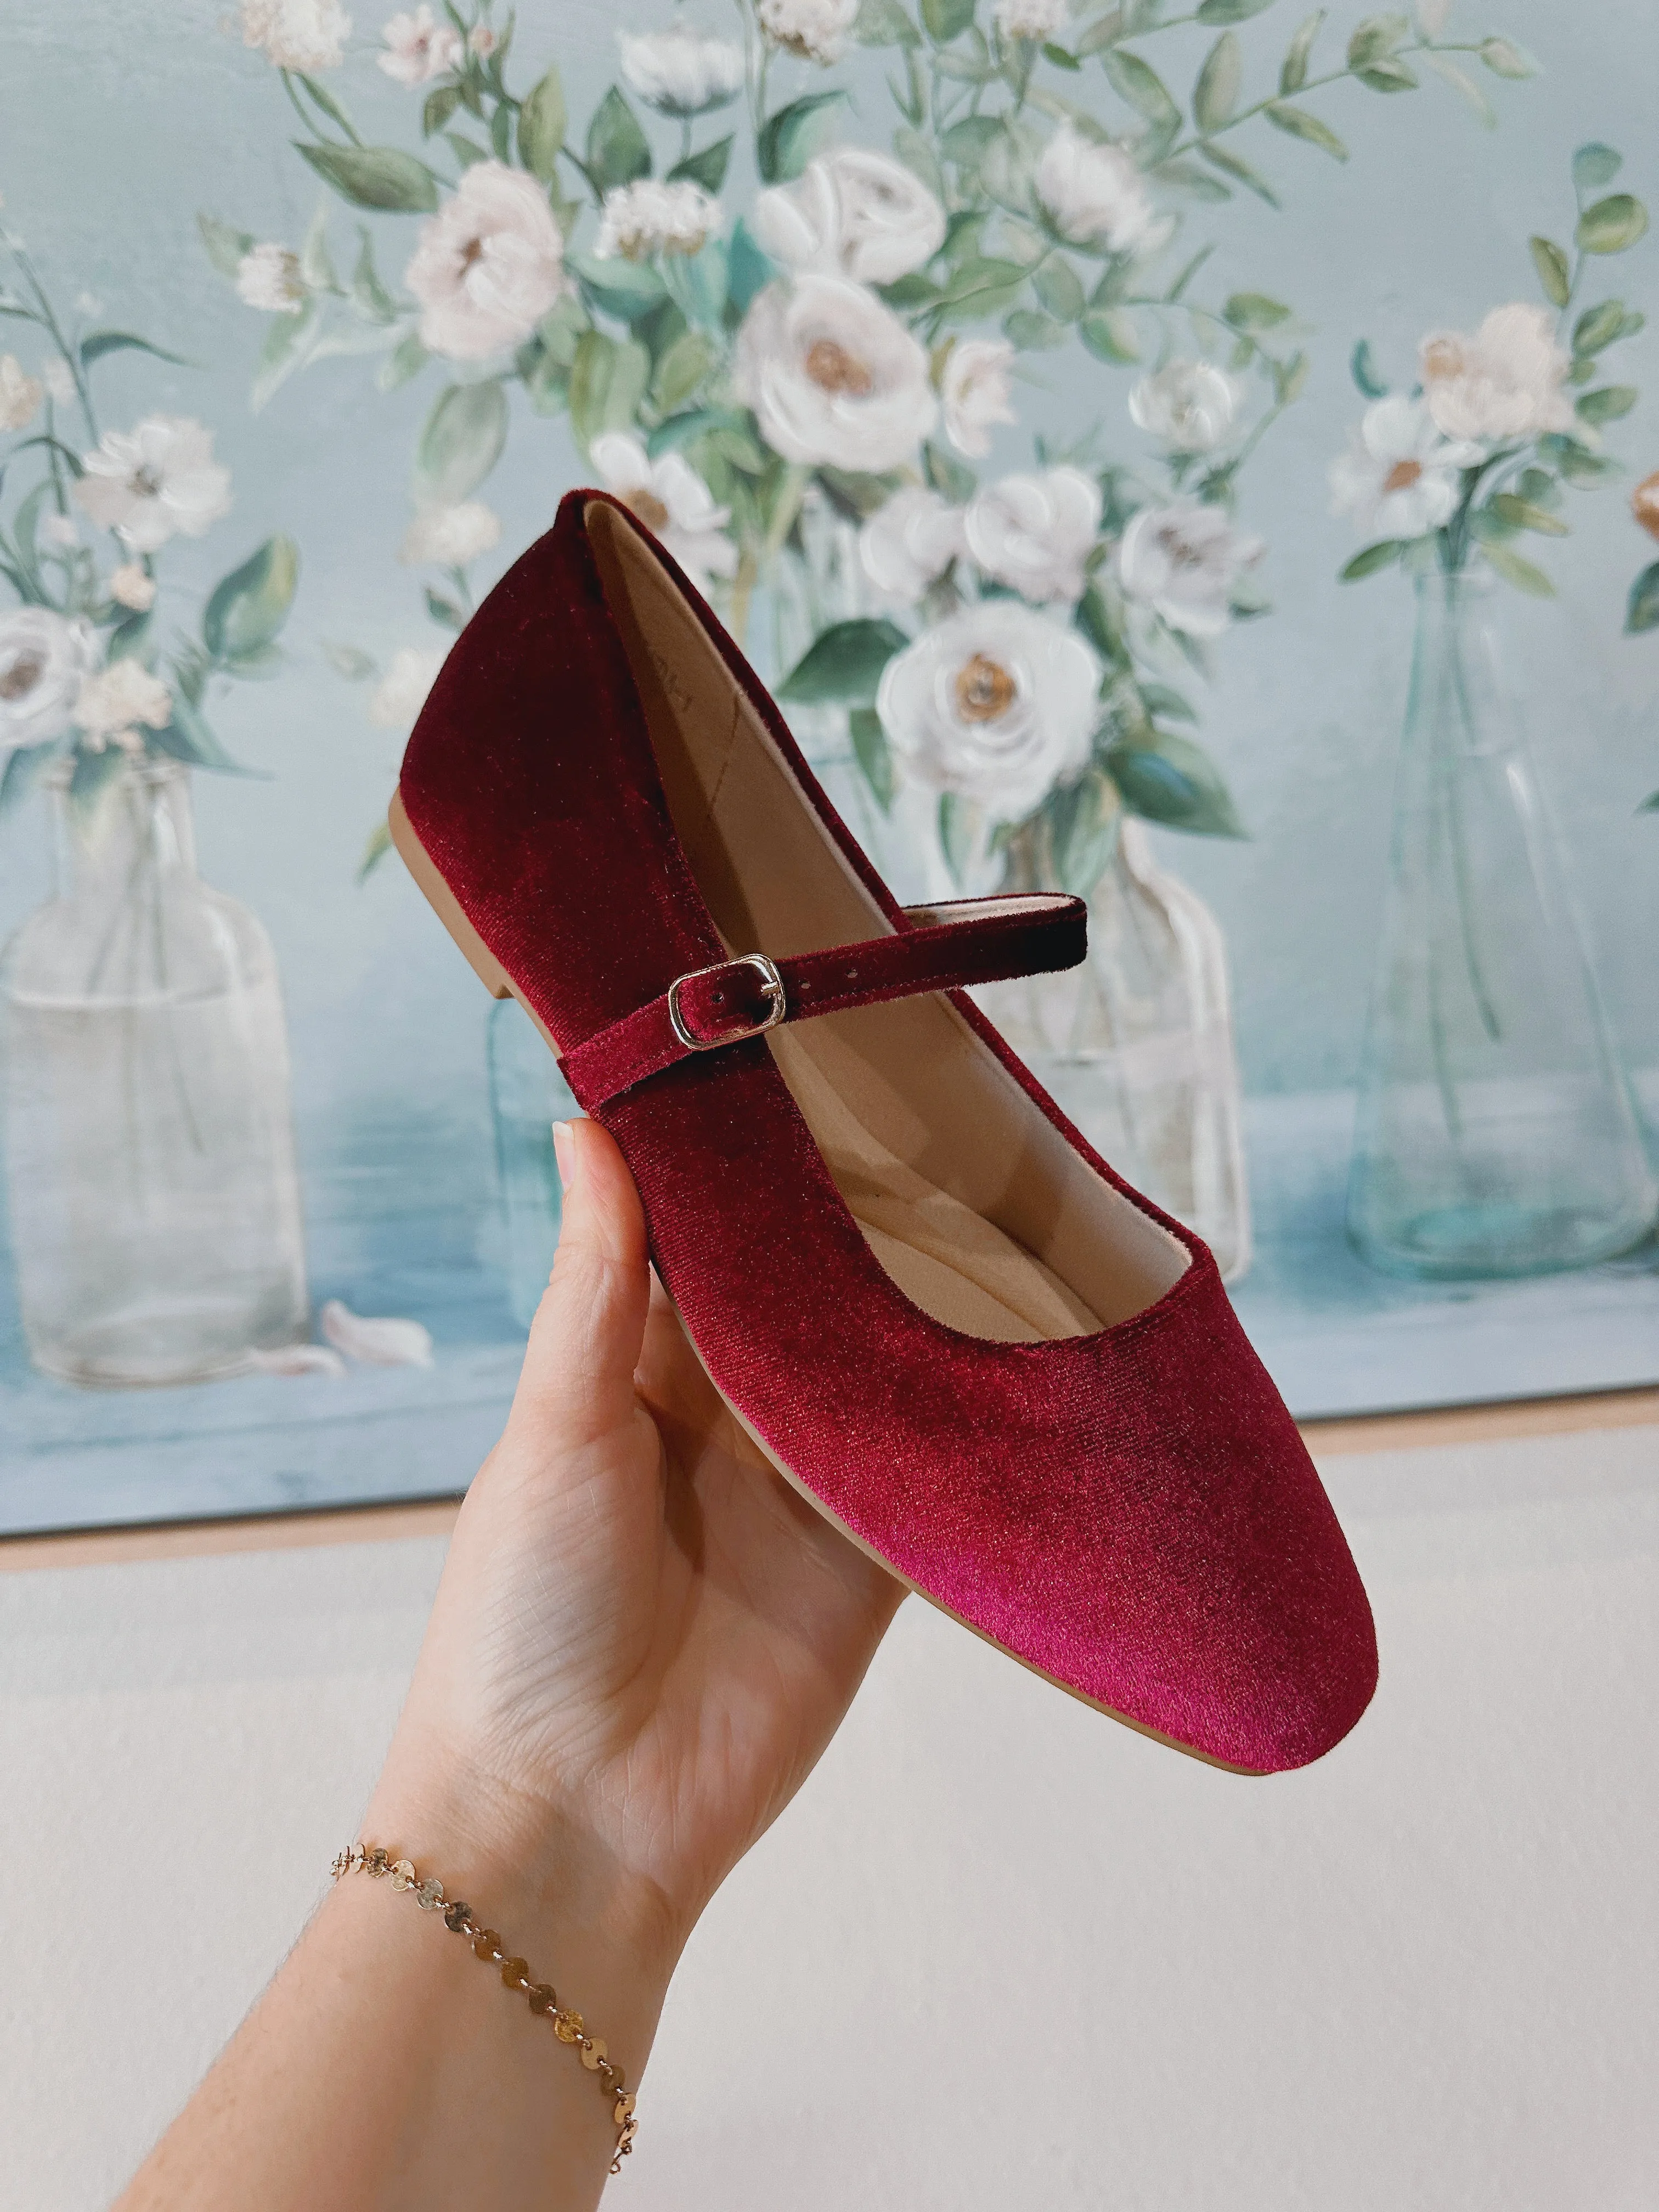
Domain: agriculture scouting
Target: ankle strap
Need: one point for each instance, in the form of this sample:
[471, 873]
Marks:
[942, 947]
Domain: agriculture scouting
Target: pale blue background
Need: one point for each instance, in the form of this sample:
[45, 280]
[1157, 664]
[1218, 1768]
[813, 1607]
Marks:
[121, 125]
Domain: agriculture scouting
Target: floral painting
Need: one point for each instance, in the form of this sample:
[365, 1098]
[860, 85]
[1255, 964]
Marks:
[1192, 458]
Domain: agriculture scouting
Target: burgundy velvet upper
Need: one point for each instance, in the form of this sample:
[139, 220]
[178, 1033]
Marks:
[1133, 1511]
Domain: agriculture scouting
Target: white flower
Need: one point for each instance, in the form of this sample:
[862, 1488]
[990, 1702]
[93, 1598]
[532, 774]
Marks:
[1093, 192]
[977, 393]
[817, 30]
[1504, 382]
[1031, 19]
[399, 696]
[1035, 533]
[680, 71]
[909, 543]
[833, 375]
[111, 702]
[417, 49]
[450, 536]
[1183, 561]
[481, 41]
[997, 704]
[268, 277]
[61, 532]
[1399, 476]
[672, 502]
[153, 482]
[20, 395]
[297, 35]
[1189, 404]
[487, 266]
[129, 586]
[43, 658]
[59, 379]
[852, 212]
[642, 219]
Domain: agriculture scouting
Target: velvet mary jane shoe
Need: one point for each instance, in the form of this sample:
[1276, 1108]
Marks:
[939, 1313]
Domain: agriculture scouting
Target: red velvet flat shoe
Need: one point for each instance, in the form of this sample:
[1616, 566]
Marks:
[939, 1314]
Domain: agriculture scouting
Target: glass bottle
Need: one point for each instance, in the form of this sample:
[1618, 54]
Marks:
[1495, 1135]
[148, 1124]
[1136, 1045]
[527, 1095]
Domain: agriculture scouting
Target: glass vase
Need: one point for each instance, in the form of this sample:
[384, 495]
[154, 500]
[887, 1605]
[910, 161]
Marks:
[1136, 1045]
[527, 1095]
[1495, 1135]
[147, 1123]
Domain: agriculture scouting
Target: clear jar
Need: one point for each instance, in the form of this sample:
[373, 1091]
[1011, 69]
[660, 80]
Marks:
[1495, 1133]
[147, 1121]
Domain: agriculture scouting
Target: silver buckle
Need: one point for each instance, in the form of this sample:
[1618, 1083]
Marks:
[771, 984]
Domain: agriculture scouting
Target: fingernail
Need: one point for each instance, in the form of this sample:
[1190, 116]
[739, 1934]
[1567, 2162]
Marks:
[565, 1151]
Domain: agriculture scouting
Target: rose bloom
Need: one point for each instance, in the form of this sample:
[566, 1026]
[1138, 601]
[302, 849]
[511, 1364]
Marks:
[297, 35]
[268, 277]
[1031, 19]
[1035, 533]
[816, 30]
[648, 217]
[997, 704]
[977, 394]
[1093, 193]
[833, 375]
[907, 543]
[1505, 381]
[155, 481]
[1189, 404]
[43, 658]
[450, 537]
[487, 266]
[111, 701]
[399, 696]
[1644, 504]
[854, 213]
[417, 48]
[679, 71]
[1183, 562]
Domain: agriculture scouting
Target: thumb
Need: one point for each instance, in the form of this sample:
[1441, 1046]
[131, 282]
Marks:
[577, 1382]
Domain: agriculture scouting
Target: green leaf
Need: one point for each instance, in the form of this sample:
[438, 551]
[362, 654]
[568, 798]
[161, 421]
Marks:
[350, 661]
[1187, 177]
[1606, 404]
[331, 106]
[1376, 39]
[406, 360]
[1254, 311]
[1594, 165]
[1643, 610]
[965, 143]
[444, 611]
[375, 848]
[1159, 699]
[1058, 56]
[1554, 271]
[225, 245]
[1059, 287]
[1168, 779]
[1612, 224]
[94, 774]
[1298, 123]
[1293, 70]
[542, 124]
[707, 168]
[1575, 461]
[1234, 165]
[884, 23]
[467, 151]
[944, 20]
[1505, 59]
[1599, 326]
[189, 737]
[374, 177]
[842, 665]
[130, 638]
[869, 749]
[789, 139]
[948, 474]
[460, 442]
[1464, 86]
[440, 105]
[1513, 569]
[369, 296]
[1083, 819]
[1524, 514]
[1216, 90]
[958, 819]
[982, 286]
[1105, 31]
[1371, 558]
[607, 383]
[1214, 12]
[748, 267]
[287, 348]
[1362, 366]
[1111, 334]
[683, 367]
[1135, 81]
[1388, 76]
[246, 609]
[102, 341]
[618, 152]
[1033, 332]
[625, 288]
[855, 495]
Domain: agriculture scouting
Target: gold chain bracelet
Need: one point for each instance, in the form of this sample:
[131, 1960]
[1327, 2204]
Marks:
[568, 2026]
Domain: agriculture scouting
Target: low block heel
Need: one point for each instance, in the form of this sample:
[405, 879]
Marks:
[445, 905]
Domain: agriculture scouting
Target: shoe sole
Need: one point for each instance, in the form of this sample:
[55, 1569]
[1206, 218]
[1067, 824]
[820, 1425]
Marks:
[495, 980]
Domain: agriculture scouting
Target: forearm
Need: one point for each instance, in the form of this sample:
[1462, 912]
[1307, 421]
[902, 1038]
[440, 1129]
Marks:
[387, 2066]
